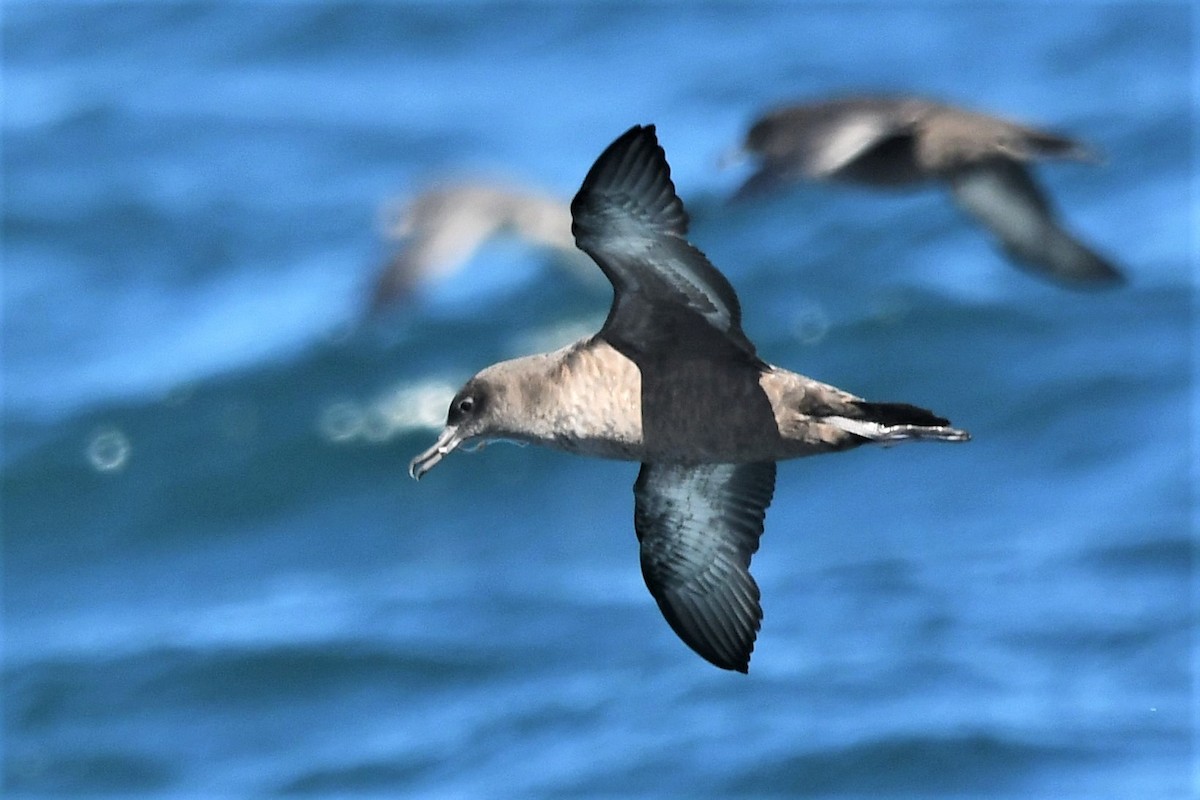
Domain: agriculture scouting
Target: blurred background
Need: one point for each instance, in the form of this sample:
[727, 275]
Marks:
[219, 580]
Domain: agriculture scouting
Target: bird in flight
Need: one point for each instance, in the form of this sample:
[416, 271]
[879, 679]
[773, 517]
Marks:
[891, 142]
[672, 381]
[440, 230]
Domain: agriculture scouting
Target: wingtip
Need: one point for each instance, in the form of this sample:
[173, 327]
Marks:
[634, 167]
[1098, 273]
[648, 135]
[646, 131]
[741, 662]
[1068, 262]
[741, 665]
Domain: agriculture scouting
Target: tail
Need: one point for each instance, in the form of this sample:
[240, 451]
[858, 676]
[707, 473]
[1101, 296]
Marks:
[887, 423]
[1044, 144]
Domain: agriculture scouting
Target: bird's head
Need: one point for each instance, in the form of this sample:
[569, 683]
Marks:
[472, 416]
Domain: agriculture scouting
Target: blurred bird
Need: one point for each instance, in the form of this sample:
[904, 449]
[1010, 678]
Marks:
[672, 381]
[441, 229]
[902, 141]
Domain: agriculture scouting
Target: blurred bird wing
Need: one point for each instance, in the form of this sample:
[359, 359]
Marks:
[841, 145]
[1002, 195]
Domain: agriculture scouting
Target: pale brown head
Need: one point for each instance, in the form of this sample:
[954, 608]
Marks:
[471, 416]
[503, 401]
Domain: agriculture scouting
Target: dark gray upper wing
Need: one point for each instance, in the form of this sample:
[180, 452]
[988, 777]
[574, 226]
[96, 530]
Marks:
[667, 296]
[698, 527]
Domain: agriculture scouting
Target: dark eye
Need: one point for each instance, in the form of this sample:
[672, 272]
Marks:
[466, 405]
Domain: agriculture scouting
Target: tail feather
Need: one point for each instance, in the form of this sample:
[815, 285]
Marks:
[1043, 144]
[894, 422]
[898, 414]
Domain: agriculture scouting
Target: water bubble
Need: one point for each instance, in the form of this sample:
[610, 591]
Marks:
[810, 324]
[341, 421]
[108, 449]
[377, 427]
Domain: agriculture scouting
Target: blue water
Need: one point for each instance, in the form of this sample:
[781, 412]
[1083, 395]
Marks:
[219, 581]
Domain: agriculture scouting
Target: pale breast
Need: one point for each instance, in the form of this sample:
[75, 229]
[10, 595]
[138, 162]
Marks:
[597, 403]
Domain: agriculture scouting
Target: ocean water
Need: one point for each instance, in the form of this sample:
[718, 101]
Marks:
[219, 581]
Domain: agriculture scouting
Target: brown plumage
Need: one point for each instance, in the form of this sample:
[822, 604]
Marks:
[671, 380]
[904, 141]
[439, 230]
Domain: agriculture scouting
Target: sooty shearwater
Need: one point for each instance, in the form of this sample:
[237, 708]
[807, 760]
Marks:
[671, 381]
[904, 141]
[440, 229]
